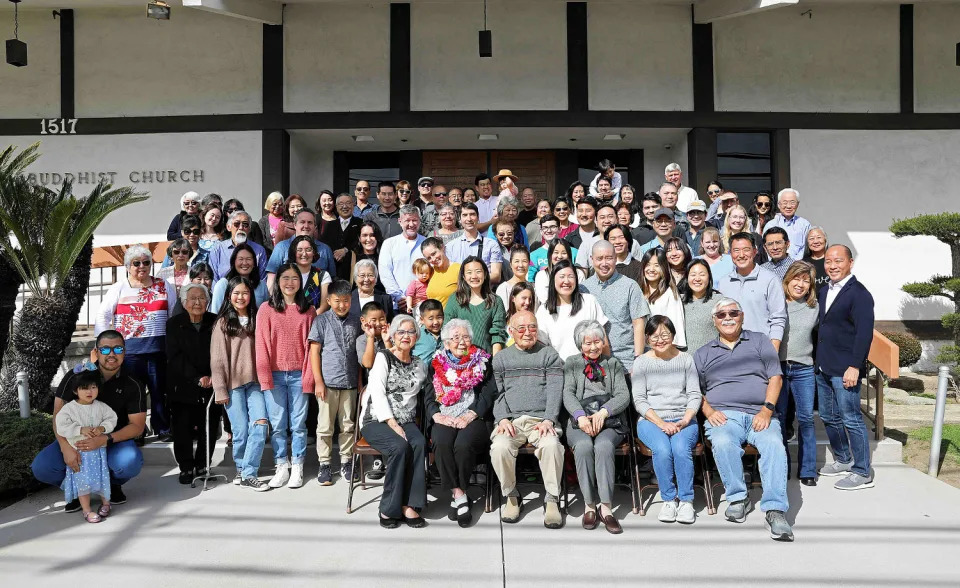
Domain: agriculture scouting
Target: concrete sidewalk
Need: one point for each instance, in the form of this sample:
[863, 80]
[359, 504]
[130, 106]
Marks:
[900, 533]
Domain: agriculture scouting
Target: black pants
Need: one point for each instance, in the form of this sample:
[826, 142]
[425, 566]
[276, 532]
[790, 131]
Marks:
[405, 483]
[186, 417]
[456, 452]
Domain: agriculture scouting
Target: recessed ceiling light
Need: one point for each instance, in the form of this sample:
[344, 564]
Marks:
[613, 137]
[488, 137]
[362, 138]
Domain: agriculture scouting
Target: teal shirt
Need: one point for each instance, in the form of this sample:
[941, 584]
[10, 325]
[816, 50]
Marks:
[427, 345]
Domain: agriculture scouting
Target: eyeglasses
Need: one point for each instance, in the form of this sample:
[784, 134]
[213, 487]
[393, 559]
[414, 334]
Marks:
[403, 191]
[138, 263]
[440, 194]
[525, 329]
[180, 252]
[549, 228]
[405, 333]
[105, 350]
[505, 234]
[662, 221]
[242, 224]
[359, 189]
[191, 203]
[660, 337]
[727, 314]
[191, 231]
[779, 243]
[458, 338]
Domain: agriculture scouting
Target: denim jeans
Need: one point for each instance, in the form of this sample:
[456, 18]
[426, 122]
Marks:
[841, 416]
[798, 381]
[123, 458]
[151, 370]
[727, 441]
[287, 409]
[672, 456]
[245, 407]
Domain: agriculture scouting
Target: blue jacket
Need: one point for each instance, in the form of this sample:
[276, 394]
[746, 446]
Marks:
[846, 330]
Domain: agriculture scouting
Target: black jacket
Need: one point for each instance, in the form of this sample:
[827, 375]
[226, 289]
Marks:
[188, 358]
[382, 299]
[846, 329]
[485, 393]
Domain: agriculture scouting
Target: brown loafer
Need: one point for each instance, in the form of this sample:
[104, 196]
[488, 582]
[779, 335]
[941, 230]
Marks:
[612, 525]
[590, 520]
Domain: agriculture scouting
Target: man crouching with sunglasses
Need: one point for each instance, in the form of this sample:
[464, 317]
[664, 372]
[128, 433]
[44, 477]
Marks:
[121, 392]
[740, 380]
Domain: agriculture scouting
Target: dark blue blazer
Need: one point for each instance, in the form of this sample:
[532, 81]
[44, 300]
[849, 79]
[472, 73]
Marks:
[846, 330]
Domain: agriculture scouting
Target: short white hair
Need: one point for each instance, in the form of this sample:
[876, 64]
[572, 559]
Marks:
[191, 195]
[185, 292]
[725, 302]
[366, 263]
[506, 201]
[410, 209]
[271, 200]
[785, 190]
[136, 252]
[585, 328]
[237, 214]
[672, 167]
[453, 324]
[399, 320]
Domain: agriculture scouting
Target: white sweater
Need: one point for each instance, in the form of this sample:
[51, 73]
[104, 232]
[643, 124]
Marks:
[74, 415]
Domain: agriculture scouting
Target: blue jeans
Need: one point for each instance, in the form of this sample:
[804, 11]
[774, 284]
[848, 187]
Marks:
[841, 416]
[798, 380]
[728, 440]
[246, 407]
[287, 409]
[151, 369]
[672, 456]
[123, 458]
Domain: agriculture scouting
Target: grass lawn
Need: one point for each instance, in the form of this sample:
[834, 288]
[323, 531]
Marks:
[950, 443]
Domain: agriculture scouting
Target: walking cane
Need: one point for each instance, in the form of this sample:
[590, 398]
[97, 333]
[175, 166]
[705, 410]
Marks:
[208, 475]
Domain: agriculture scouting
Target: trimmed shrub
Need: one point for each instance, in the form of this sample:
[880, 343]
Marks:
[909, 345]
[20, 441]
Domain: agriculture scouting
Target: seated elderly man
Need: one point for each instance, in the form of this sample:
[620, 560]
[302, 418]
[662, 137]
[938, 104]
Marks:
[740, 380]
[529, 377]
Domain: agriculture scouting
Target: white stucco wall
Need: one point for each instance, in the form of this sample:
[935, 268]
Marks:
[528, 69]
[311, 170]
[225, 163]
[195, 63]
[640, 56]
[854, 183]
[936, 75]
[337, 57]
[34, 90]
[843, 59]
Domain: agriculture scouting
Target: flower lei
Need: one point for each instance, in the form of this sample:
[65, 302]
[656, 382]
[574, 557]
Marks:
[452, 376]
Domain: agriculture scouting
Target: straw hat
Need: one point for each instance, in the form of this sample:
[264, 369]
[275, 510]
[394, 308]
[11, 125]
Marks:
[504, 173]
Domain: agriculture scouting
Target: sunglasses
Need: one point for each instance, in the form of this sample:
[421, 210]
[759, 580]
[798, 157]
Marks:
[712, 192]
[191, 231]
[191, 203]
[363, 189]
[242, 225]
[138, 263]
[403, 191]
[180, 252]
[116, 350]
[727, 314]
[426, 185]
[561, 209]
[440, 194]
[763, 205]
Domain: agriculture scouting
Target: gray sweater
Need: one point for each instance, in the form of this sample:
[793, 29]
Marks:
[798, 338]
[575, 388]
[530, 382]
[670, 387]
[698, 322]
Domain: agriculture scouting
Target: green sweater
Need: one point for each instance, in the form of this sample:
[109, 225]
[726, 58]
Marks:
[489, 324]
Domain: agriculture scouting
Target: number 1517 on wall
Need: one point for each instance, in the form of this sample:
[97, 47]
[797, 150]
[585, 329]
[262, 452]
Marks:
[58, 126]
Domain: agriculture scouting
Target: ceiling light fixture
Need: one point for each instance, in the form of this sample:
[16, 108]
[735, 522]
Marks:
[486, 37]
[613, 137]
[363, 138]
[487, 137]
[159, 10]
[16, 49]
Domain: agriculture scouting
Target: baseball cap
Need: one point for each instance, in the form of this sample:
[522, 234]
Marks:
[424, 179]
[663, 211]
[697, 205]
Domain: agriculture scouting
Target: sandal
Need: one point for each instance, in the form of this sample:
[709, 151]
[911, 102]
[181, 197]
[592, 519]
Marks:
[104, 510]
[92, 517]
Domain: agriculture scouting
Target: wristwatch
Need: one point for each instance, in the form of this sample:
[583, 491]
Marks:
[109, 439]
[771, 406]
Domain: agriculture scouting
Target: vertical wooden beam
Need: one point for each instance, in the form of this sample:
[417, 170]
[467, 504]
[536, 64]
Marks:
[703, 92]
[399, 57]
[67, 65]
[578, 94]
[273, 72]
[702, 158]
[906, 59]
[780, 150]
[275, 174]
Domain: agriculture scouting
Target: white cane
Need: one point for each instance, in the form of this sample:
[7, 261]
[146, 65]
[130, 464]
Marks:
[208, 475]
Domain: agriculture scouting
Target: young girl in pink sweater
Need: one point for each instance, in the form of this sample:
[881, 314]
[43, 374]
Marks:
[284, 372]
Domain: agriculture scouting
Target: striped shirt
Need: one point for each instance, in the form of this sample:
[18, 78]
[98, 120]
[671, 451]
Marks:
[139, 314]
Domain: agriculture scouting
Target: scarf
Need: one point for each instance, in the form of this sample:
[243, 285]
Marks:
[593, 370]
[452, 375]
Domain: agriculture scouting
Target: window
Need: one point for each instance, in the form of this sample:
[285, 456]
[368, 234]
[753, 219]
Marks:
[744, 164]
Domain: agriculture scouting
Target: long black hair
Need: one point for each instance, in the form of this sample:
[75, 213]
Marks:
[254, 273]
[377, 234]
[230, 317]
[553, 299]
[680, 244]
[463, 289]
[666, 281]
[292, 252]
[686, 293]
[553, 245]
[276, 297]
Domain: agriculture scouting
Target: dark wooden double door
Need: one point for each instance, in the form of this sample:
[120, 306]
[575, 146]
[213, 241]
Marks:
[535, 169]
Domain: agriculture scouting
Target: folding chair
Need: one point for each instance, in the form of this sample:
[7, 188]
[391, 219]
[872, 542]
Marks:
[749, 451]
[699, 455]
[361, 449]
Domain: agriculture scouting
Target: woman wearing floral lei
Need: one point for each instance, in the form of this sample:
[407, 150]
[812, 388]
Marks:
[459, 397]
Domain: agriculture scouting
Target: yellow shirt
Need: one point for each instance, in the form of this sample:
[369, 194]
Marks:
[443, 285]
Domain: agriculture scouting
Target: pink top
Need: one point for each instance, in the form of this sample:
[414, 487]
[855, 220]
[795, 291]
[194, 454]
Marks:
[282, 344]
[417, 290]
[274, 223]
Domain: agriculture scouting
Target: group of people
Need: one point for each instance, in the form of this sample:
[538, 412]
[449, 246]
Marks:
[477, 324]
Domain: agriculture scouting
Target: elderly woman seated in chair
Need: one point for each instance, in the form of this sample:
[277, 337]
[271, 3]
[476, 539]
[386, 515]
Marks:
[596, 396]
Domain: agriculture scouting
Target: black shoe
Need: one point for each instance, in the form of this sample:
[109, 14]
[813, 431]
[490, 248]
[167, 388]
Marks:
[140, 440]
[72, 506]
[389, 523]
[185, 477]
[165, 437]
[198, 472]
[378, 470]
[808, 481]
[116, 494]
[416, 522]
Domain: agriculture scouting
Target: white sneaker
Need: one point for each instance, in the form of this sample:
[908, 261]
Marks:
[668, 512]
[280, 478]
[685, 513]
[296, 476]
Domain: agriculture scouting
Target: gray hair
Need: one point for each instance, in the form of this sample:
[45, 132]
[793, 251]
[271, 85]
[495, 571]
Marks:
[366, 263]
[585, 328]
[453, 324]
[601, 244]
[185, 291]
[785, 190]
[345, 195]
[819, 228]
[672, 167]
[410, 209]
[505, 201]
[136, 252]
[237, 214]
[399, 320]
[725, 302]
[446, 206]
[189, 196]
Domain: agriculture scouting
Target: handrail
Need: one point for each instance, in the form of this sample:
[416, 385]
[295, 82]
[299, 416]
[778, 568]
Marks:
[884, 356]
[112, 255]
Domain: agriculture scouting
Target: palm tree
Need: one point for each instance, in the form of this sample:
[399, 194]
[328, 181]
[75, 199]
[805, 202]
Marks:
[47, 236]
